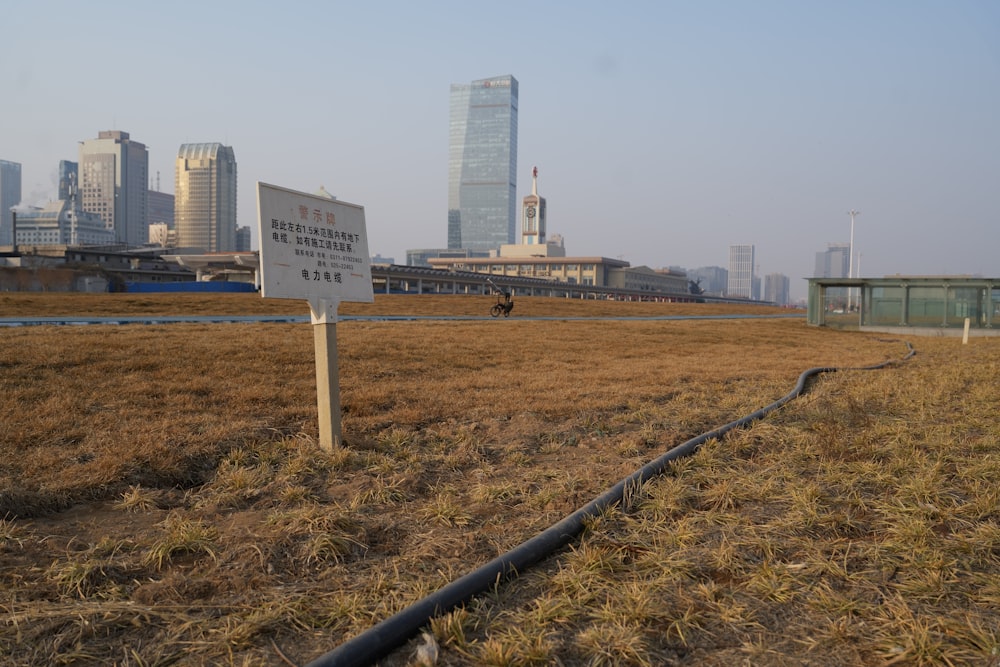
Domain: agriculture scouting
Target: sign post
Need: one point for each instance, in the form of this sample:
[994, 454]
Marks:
[315, 248]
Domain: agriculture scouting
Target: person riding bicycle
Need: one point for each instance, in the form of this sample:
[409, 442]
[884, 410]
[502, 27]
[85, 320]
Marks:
[508, 303]
[504, 306]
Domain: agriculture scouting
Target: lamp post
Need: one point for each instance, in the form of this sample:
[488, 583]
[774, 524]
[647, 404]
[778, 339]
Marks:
[850, 261]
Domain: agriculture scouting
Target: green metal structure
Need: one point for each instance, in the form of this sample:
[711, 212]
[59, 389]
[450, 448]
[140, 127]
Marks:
[935, 302]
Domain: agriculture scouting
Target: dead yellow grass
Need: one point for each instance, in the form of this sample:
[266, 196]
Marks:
[28, 304]
[165, 500]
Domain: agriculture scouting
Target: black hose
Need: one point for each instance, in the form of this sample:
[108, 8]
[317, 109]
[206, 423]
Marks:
[397, 629]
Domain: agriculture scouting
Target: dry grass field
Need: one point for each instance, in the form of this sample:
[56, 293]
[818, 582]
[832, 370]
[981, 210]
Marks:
[163, 500]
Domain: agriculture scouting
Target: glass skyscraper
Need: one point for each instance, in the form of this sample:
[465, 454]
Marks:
[482, 164]
[205, 197]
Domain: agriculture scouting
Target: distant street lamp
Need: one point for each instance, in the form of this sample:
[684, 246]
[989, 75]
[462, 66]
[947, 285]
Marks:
[850, 261]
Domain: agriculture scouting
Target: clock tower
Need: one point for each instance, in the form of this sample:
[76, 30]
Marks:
[533, 215]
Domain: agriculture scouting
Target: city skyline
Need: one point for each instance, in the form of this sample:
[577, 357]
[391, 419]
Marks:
[666, 131]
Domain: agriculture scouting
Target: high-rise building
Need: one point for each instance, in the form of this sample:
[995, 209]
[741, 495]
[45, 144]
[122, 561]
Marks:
[69, 179]
[711, 279]
[482, 164]
[161, 208]
[243, 239]
[834, 262]
[777, 288]
[10, 196]
[741, 271]
[205, 197]
[113, 173]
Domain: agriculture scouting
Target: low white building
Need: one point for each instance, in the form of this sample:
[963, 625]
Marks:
[57, 223]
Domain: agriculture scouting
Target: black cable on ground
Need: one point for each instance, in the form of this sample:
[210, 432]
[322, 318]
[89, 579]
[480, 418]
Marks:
[391, 633]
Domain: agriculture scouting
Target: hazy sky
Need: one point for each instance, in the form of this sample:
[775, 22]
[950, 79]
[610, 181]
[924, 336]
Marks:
[663, 131]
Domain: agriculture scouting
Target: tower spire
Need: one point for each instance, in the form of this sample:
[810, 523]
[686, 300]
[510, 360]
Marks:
[534, 181]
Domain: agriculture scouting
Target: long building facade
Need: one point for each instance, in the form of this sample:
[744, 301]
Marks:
[482, 164]
[205, 197]
[60, 223]
[586, 271]
[113, 182]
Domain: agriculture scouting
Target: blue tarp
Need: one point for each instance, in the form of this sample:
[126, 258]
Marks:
[191, 286]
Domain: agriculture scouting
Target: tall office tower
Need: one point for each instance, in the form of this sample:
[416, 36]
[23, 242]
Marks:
[741, 271]
[113, 173]
[482, 164]
[777, 288]
[533, 215]
[834, 262]
[10, 196]
[205, 197]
